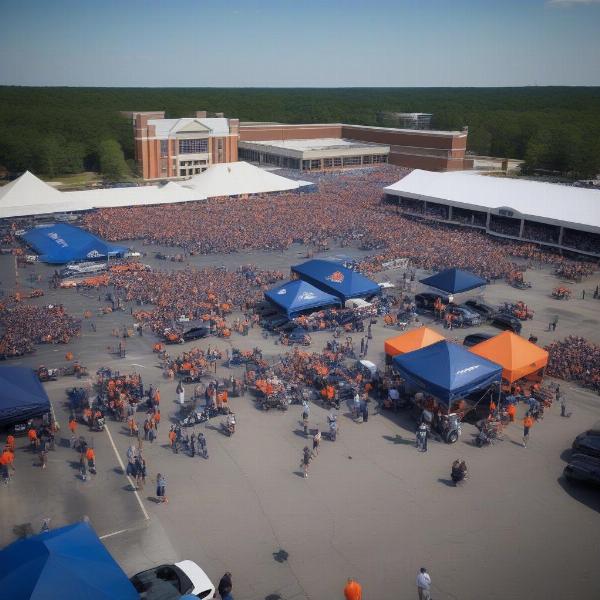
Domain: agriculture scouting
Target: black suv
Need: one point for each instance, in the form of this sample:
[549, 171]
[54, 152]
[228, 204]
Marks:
[507, 322]
[476, 338]
[196, 333]
[485, 310]
[588, 442]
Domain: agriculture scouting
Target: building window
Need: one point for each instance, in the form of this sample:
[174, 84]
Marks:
[337, 162]
[182, 172]
[306, 165]
[367, 159]
[315, 164]
[164, 148]
[327, 163]
[350, 161]
[193, 146]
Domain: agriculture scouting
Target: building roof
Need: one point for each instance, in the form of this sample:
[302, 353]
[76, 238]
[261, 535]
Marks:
[239, 179]
[167, 127]
[547, 202]
[315, 144]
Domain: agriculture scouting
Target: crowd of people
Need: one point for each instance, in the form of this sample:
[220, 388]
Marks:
[207, 294]
[24, 325]
[575, 359]
[347, 208]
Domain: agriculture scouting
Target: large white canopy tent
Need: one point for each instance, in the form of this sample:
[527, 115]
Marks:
[240, 179]
[28, 195]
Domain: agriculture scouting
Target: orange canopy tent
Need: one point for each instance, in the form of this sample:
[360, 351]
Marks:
[412, 340]
[517, 357]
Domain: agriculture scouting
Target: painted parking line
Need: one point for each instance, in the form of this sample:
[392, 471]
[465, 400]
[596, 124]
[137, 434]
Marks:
[146, 516]
[107, 535]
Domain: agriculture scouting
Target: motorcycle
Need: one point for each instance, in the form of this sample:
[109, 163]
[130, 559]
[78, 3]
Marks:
[194, 418]
[483, 439]
[228, 426]
[99, 424]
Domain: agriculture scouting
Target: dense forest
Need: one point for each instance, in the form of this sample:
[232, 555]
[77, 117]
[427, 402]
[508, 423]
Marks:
[54, 131]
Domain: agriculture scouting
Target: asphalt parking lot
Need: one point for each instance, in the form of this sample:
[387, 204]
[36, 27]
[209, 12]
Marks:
[372, 507]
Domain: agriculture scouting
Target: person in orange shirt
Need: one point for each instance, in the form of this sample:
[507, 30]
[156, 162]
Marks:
[10, 442]
[7, 458]
[90, 456]
[511, 411]
[33, 438]
[172, 436]
[73, 425]
[353, 590]
[527, 425]
[156, 419]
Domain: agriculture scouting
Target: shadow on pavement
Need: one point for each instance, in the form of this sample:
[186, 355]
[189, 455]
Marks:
[398, 439]
[447, 482]
[580, 492]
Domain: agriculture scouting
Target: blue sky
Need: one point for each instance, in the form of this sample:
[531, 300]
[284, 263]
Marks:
[289, 43]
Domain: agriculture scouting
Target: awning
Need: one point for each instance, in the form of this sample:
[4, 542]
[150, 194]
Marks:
[447, 371]
[22, 396]
[297, 296]
[411, 341]
[335, 279]
[517, 357]
[69, 563]
[454, 281]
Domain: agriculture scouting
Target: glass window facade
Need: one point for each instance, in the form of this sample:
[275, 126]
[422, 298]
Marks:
[193, 146]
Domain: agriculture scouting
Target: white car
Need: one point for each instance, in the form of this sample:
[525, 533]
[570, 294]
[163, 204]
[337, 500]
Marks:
[170, 582]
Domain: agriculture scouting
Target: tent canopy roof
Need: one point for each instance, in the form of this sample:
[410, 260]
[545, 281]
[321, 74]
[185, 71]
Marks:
[70, 562]
[295, 296]
[22, 396]
[517, 357]
[239, 179]
[447, 371]
[411, 340]
[454, 281]
[335, 279]
[61, 243]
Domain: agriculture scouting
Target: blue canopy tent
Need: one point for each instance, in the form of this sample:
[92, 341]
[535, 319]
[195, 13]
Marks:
[298, 296]
[335, 279]
[454, 281]
[22, 396]
[60, 243]
[446, 370]
[69, 563]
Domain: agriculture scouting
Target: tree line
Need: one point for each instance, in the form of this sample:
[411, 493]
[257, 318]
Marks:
[55, 131]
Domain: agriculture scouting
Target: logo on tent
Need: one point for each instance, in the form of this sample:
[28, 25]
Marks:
[282, 292]
[336, 277]
[307, 296]
[467, 370]
[94, 254]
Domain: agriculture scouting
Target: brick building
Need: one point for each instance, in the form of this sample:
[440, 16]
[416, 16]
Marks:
[168, 148]
[171, 148]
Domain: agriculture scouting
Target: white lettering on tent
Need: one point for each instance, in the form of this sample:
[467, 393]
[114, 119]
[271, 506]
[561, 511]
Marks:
[282, 292]
[307, 296]
[467, 370]
[54, 236]
[94, 254]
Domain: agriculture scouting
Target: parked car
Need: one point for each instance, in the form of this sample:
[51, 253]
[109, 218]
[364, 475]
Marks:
[485, 310]
[195, 333]
[588, 442]
[299, 335]
[476, 338]
[584, 469]
[464, 316]
[424, 302]
[170, 582]
[507, 322]
[273, 323]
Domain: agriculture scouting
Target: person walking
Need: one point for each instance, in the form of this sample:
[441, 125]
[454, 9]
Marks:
[82, 467]
[423, 584]
[352, 590]
[305, 415]
[554, 322]
[306, 458]
[316, 441]
[362, 346]
[161, 489]
[563, 406]
[421, 441]
[225, 586]
[90, 456]
[527, 425]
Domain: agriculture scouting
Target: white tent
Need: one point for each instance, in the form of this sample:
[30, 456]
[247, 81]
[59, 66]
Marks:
[239, 179]
[29, 195]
